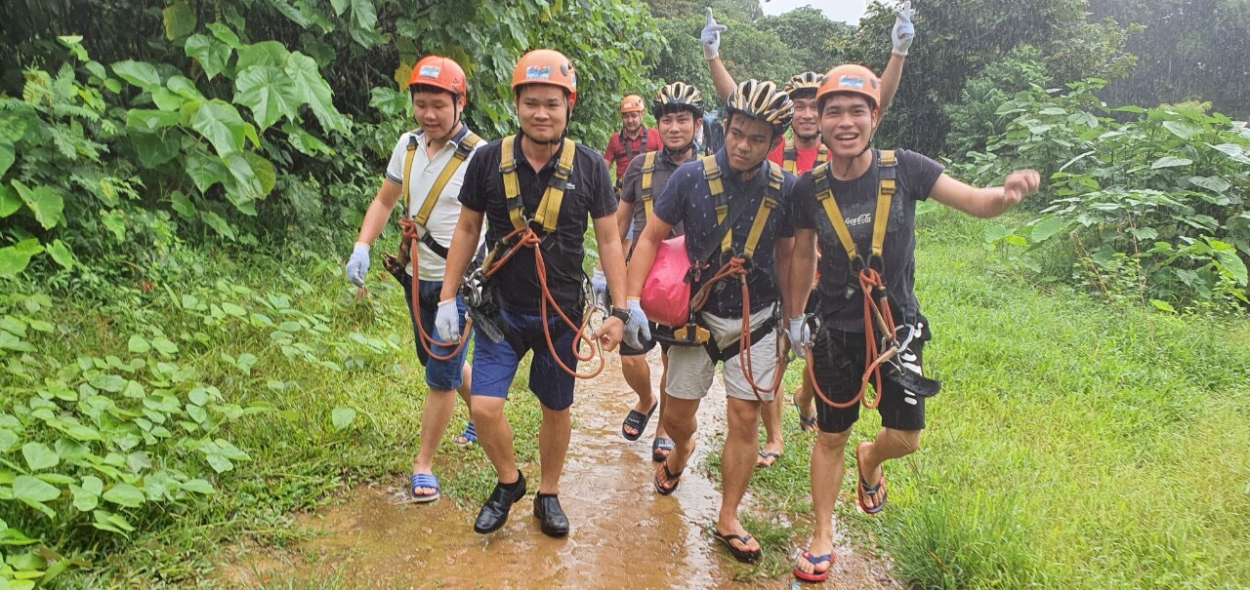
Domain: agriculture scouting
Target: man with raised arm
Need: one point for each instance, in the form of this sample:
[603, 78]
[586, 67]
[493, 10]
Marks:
[797, 155]
[860, 209]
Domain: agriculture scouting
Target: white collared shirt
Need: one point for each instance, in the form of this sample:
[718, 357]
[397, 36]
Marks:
[446, 212]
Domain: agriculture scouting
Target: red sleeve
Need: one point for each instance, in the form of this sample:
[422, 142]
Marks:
[613, 147]
[654, 140]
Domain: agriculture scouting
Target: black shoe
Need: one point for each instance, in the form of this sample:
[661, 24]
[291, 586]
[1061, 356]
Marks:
[547, 509]
[494, 512]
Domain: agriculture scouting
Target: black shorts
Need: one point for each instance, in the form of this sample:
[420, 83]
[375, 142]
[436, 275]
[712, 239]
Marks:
[627, 350]
[839, 370]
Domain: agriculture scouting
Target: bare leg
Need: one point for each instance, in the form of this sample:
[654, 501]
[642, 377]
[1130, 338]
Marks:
[828, 465]
[681, 423]
[637, 374]
[889, 444]
[553, 445]
[737, 463]
[495, 435]
[435, 415]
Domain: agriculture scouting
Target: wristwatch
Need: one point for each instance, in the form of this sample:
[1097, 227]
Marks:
[619, 313]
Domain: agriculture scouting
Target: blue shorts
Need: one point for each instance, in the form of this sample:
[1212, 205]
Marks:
[439, 375]
[495, 363]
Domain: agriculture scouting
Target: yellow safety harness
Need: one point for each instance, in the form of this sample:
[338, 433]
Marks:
[548, 210]
[464, 149]
[790, 157]
[877, 315]
[733, 267]
[645, 189]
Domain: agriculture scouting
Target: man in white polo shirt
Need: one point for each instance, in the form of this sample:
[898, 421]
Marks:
[426, 171]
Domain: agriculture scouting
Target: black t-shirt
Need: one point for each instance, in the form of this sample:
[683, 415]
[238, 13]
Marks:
[857, 200]
[687, 199]
[631, 187]
[589, 192]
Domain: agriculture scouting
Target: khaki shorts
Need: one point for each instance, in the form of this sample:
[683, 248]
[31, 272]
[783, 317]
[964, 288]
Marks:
[690, 369]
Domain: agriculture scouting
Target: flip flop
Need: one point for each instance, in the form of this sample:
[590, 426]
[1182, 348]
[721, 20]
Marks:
[668, 476]
[815, 560]
[805, 424]
[638, 421]
[468, 437]
[743, 555]
[661, 444]
[423, 480]
[764, 462]
[864, 489]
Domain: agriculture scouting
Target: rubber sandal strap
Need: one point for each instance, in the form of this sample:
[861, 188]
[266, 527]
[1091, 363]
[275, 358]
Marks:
[424, 480]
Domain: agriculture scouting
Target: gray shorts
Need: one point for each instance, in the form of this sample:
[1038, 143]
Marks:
[690, 369]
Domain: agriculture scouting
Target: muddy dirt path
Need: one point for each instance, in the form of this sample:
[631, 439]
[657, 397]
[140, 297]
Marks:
[623, 533]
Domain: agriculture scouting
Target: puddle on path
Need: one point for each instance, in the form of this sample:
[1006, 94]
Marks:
[623, 533]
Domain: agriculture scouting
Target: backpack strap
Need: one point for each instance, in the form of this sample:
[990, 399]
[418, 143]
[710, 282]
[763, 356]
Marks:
[645, 188]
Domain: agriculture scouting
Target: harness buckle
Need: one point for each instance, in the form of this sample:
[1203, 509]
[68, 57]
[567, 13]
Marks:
[693, 333]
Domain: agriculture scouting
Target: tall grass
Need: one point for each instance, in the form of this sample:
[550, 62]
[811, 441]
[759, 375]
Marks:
[1076, 444]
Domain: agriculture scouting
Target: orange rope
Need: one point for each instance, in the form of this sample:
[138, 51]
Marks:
[736, 267]
[874, 309]
[410, 236]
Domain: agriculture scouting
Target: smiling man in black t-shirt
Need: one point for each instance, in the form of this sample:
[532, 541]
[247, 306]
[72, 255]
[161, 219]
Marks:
[533, 186]
[836, 205]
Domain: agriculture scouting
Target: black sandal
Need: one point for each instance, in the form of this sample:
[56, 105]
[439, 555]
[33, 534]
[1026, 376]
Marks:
[743, 555]
[668, 476]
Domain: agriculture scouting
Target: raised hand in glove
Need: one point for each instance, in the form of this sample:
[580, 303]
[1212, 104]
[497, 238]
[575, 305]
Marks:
[904, 32]
[711, 37]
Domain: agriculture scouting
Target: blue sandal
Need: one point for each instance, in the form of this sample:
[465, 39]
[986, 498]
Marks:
[424, 480]
[468, 437]
[815, 560]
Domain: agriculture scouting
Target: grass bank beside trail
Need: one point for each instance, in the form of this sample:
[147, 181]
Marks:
[330, 385]
[1075, 444]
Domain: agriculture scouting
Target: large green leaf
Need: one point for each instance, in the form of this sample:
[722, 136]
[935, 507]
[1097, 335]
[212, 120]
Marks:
[10, 202]
[150, 119]
[223, 33]
[205, 170]
[244, 184]
[1170, 162]
[305, 142]
[268, 92]
[184, 87]
[138, 73]
[342, 417]
[61, 254]
[264, 171]
[179, 19]
[13, 259]
[44, 200]
[218, 223]
[124, 494]
[313, 89]
[7, 155]
[34, 491]
[266, 53]
[155, 149]
[210, 52]
[221, 125]
[87, 496]
[39, 456]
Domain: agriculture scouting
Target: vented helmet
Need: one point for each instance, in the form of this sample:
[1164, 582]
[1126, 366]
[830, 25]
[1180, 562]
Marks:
[677, 96]
[761, 101]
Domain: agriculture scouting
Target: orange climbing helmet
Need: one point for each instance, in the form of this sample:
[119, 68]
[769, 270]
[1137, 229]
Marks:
[631, 104]
[851, 78]
[546, 66]
[440, 72]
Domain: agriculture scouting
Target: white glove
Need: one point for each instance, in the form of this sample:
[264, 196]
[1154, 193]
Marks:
[904, 32]
[799, 334]
[447, 321]
[711, 37]
[599, 286]
[358, 264]
[637, 331]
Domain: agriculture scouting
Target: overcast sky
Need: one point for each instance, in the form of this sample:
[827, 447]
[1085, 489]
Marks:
[843, 10]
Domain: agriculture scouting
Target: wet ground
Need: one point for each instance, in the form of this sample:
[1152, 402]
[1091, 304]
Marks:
[623, 533]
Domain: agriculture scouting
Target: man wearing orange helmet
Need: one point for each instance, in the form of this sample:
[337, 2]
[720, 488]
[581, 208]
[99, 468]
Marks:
[633, 139]
[536, 189]
[797, 155]
[425, 173]
[860, 209]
